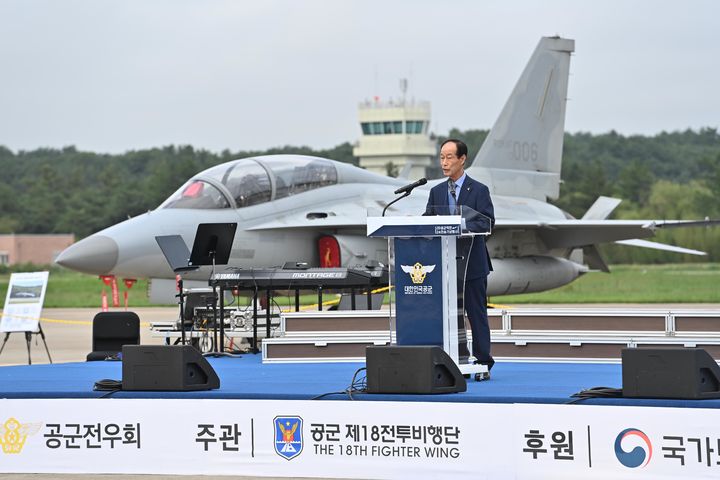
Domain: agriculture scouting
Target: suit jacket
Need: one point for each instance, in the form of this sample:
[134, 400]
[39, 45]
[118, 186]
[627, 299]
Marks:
[476, 196]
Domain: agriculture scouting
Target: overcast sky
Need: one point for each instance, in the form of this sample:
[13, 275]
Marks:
[111, 76]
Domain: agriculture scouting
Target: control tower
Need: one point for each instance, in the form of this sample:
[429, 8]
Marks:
[395, 132]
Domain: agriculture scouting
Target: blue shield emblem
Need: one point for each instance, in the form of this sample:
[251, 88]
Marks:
[288, 436]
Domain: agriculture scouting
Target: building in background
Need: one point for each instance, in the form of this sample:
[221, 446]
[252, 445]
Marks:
[37, 249]
[395, 133]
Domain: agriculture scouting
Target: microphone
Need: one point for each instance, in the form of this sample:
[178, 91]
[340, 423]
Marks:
[408, 188]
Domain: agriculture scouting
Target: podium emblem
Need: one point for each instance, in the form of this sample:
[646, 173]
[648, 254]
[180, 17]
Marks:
[418, 271]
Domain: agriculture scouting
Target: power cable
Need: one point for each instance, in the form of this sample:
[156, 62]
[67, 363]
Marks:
[596, 392]
[357, 385]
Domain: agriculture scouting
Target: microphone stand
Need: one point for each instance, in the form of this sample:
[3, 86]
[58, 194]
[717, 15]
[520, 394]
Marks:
[396, 200]
[181, 302]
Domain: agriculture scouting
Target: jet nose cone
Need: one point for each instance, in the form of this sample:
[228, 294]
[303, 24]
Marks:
[96, 254]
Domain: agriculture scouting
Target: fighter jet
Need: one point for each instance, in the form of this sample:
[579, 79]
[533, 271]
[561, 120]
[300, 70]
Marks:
[294, 208]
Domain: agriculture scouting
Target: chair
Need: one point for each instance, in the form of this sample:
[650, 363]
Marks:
[112, 330]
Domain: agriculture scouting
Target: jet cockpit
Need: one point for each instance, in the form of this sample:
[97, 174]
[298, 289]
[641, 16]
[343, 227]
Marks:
[251, 181]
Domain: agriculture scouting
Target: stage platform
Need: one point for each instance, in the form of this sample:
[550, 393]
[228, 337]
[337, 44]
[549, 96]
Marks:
[267, 420]
[245, 377]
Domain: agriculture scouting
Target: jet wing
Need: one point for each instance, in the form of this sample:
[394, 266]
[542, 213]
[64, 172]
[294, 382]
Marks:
[660, 246]
[569, 233]
[577, 233]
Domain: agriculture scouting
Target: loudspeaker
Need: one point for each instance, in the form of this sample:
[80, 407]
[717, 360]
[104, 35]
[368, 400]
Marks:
[412, 369]
[166, 367]
[684, 373]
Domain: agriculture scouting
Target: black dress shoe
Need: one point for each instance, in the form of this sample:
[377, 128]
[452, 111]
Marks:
[482, 376]
[488, 363]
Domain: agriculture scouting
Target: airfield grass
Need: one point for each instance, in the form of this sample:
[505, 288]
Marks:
[667, 283]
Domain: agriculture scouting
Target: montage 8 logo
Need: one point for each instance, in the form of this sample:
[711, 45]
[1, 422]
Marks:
[640, 455]
[288, 436]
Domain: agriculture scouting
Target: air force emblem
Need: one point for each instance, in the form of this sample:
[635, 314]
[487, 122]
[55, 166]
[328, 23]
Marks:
[13, 434]
[288, 436]
[417, 272]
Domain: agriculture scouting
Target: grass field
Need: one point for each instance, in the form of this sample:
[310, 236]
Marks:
[669, 283]
[68, 289]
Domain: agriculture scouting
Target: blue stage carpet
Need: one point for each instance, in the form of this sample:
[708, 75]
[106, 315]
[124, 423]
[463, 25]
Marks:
[247, 378]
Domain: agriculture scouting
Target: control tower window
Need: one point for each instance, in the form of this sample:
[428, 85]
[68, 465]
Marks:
[297, 175]
[196, 194]
[382, 128]
[393, 127]
[248, 183]
[415, 126]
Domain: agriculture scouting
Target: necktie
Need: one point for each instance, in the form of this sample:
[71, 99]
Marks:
[452, 204]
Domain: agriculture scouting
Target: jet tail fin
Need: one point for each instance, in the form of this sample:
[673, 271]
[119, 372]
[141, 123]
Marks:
[407, 168]
[522, 154]
[602, 208]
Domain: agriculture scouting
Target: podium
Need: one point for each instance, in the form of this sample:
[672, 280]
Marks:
[424, 257]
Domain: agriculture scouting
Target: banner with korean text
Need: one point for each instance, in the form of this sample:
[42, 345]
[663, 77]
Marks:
[345, 439]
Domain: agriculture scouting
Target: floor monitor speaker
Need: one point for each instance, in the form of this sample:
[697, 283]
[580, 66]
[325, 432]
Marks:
[166, 367]
[677, 372]
[412, 369]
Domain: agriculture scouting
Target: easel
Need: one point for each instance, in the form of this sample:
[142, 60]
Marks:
[23, 307]
[28, 336]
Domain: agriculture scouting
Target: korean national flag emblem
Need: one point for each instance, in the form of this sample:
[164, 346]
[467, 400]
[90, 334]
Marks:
[288, 436]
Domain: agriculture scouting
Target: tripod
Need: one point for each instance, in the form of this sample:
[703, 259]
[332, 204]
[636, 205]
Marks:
[28, 336]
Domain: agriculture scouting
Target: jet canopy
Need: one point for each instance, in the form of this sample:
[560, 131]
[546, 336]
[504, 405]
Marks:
[251, 181]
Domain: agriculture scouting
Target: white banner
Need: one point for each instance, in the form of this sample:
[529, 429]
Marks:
[346, 439]
[24, 302]
[583, 441]
[339, 439]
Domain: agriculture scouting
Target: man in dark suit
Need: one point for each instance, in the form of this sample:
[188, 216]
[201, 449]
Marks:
[474, 263]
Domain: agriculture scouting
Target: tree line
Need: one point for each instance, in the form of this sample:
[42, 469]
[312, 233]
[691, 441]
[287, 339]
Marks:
[672, 175]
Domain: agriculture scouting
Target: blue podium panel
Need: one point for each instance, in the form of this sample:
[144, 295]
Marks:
[419, 291]
[421, 226]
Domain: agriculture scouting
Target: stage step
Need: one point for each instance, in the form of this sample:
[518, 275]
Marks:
[588, 347]
[589, 334]
[337, 322]
[322, 349]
